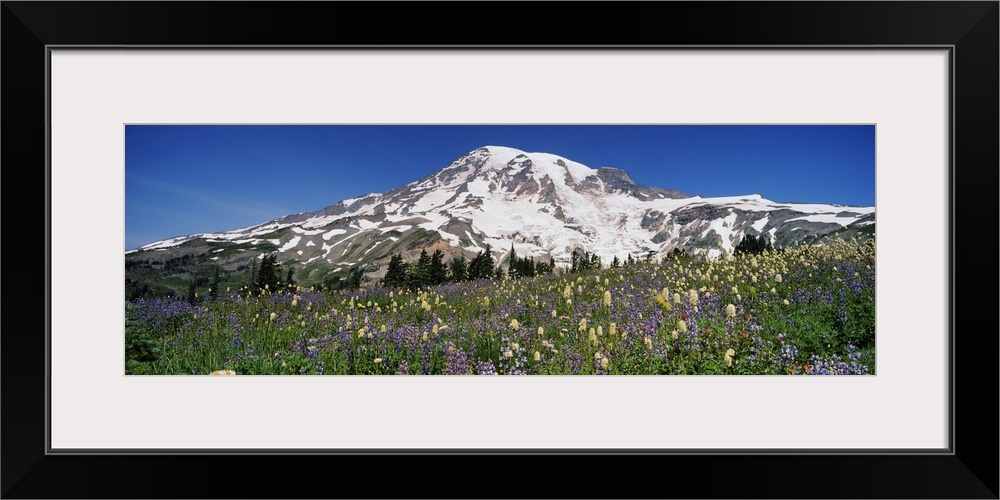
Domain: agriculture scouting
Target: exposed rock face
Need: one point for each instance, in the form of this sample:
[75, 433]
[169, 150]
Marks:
[543, 204]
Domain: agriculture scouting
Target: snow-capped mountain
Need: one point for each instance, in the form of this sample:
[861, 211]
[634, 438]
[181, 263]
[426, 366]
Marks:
[543, 204]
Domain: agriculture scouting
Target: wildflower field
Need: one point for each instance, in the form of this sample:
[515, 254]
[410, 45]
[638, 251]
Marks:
[804, 310]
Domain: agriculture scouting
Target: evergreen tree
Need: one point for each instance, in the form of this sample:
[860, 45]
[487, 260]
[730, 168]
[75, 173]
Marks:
[354, 277]
[481, 266]
[418, 273]
[252, 284]
[290, 280]
[476, 266]
[753, 245]
[395, 274]
[615, 264]
[213, 290]
[192, 294]
[512, 264]
[438, 271]
[629, 262]
[267, 278]
[459, 269]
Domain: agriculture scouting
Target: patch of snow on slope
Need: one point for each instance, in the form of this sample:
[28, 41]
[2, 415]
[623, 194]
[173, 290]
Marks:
[450, 238]
[310, 243]
[372, 247]
[290, 245]
[435, 222]
[577, 171]
[828, 218]
[723, 228]
[319, 221]
[164, 243]
[299, 230]
[335, 232]
[759, 225]
[326, 250]
[366, 224]
[402, 228]
[431, 200]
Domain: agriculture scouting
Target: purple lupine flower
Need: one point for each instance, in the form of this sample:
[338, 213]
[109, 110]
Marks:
[486, 368]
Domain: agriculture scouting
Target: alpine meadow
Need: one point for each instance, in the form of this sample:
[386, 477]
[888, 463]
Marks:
[500, 250]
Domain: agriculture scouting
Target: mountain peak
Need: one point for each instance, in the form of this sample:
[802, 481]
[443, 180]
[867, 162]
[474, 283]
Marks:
[544, 205]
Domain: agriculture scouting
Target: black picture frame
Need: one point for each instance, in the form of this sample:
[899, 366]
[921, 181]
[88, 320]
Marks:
[969, 470]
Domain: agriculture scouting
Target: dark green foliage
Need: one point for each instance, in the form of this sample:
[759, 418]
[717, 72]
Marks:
[192, 296]
[213, 291]
[141, 347]
[584, 261]
[518, 267]
[419, 273]
[481, 267]
[615, 263]
[512, 262]
[754, 245]
[354, 278]
[395, 274]
[290, 279]
[459, 269]
[267, 277]
[859, 327]
[252, 284]
[677, 254]
[438, 271]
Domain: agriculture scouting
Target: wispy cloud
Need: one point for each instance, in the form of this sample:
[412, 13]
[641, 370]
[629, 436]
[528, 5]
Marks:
[223, 204]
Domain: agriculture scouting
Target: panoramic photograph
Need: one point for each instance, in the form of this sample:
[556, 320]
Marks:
[499, 250]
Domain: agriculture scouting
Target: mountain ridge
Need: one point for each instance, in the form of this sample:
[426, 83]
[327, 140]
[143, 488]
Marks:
[543, 204]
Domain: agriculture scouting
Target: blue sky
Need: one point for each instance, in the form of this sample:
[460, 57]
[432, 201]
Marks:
[186, 179]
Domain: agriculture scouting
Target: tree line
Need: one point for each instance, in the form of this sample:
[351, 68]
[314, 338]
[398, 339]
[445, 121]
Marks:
[430, 270]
